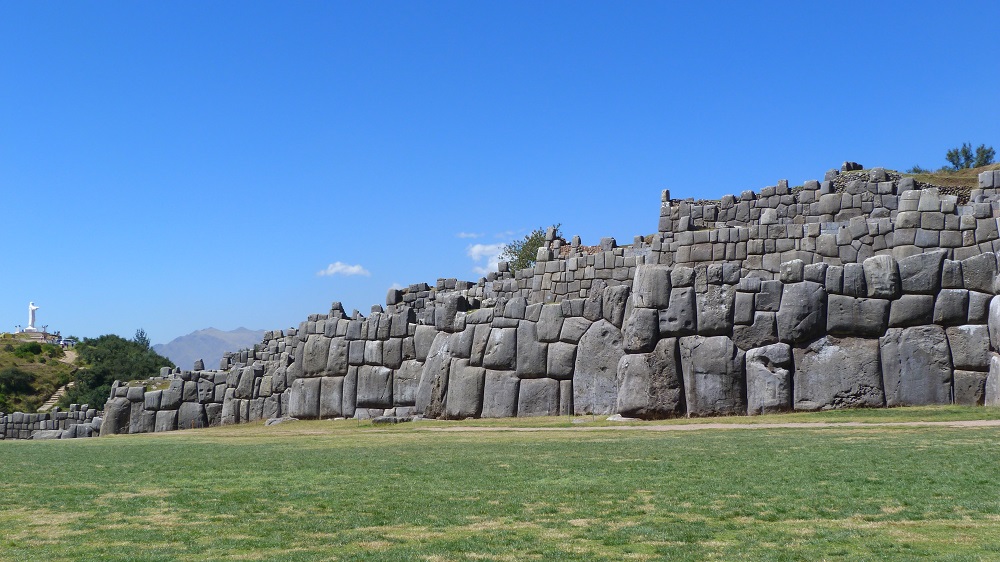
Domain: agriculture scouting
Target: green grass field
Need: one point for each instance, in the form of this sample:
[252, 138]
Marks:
[350, 491]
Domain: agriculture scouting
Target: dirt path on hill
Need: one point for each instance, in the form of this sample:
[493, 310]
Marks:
[702, 426]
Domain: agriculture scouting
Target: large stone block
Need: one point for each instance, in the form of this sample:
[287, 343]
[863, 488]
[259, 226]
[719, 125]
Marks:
[531, 353]
[501, 349]
[835, 373]
[714, 382]
[303, 399]
[166, 420]
[911, 310]
[763, 331]
[331, 397]
[423, 337]
[649, 384]
[970, 387]
[550, 323]
[921, 273]
[856, 317]
[191, 415]
[951, 307]
[802, 314]
[991, 392]
[117, 412]
[316, 356]
[651, 287]
[573, 329]
[615, 303]
[641, 330]
[500, 394]
[769, 379]
[405, 382]
[595, 375]
[561, 360]
[715, 310]
[465, 390]
[171, 397]
[916, 366]
[970, 347]
[979, 272]
[538, 397]
[433, 388]
[994, 323]
[680, 318]
[882, 277]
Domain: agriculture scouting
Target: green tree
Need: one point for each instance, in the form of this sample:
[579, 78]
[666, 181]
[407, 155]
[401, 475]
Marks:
[521, 254]
[14, 380]
[962, 157]
[141, 338]
[108, 358]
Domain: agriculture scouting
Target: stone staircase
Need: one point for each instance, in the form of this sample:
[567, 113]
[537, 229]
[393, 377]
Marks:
[54, 399]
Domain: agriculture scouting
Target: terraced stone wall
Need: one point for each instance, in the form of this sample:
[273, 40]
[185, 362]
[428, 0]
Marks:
[844, 293]
[79, 421]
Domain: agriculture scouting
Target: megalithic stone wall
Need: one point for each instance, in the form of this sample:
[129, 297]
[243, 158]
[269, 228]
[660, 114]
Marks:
[862, 290]
[79, 421]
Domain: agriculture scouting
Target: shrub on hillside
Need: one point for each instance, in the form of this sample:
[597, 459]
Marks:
[521, 254]
[962, 157]
[108, 358]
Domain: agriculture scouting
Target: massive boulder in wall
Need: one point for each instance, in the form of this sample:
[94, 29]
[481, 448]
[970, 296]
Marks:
[838, 373]
[916, 366]
[769, 379]
[649, 384]
[595, 385]
[713, 376]
[802, 314]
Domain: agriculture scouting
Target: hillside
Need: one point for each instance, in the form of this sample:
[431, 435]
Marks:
[30, 373]
[208, 344]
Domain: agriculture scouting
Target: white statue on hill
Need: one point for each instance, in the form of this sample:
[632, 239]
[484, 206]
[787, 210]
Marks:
[31, 317]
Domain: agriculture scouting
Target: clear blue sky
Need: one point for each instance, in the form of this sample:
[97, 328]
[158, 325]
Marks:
[180, 165]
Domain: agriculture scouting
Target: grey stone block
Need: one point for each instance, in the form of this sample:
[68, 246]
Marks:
[911, 310]
[433, 387]
[714, 382]
[951, 275]
[561, 360]
[680, 318]
[331, 398]
[856, 317]
[769, 379]
[979, 307]
[501, 349]
[191, 415]
[979, 272]
[303, 399]
[479, 341]
[921, 273]
[916, 366]
[573, 329]
[538, 397]
[374, 387]
[970, 347]
[615, 302]
[465, 390]
[802, 315]
[500, 394]
[970, 387]
[166, 420]
[991, 394]
[763, 331]
[715, 310]
[649, 384]
[595, 373]
[951, 307]
[316, 356]
[152, 400]
[550, 323]
[423, 337]
[769, 297]
[651, 287]
[641, 330]
[833, 373]
[531, 353]
[854, 280]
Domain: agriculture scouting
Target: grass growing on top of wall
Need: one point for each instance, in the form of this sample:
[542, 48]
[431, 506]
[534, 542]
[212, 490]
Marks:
[349, 491]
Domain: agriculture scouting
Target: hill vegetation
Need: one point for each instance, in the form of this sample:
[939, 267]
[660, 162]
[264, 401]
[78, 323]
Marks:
[30, 372]
[104, 359]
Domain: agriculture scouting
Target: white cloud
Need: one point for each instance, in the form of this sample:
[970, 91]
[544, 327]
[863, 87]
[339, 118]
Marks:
[490, 253]
[397, 287]
[469, 235]
[505, 234]
[341, 268]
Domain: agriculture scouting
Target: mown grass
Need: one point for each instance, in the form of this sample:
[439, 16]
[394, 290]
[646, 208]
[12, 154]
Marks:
[348, 491]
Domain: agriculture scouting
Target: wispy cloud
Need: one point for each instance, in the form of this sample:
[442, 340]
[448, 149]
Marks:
[505, 234]
[341, 268]
[490, 253]
[468, 235]
[397, 286]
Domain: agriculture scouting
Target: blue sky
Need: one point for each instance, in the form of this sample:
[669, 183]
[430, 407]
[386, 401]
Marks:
[179, 165]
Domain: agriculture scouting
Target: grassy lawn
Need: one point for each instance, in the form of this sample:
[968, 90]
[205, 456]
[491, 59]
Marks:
[349, 491]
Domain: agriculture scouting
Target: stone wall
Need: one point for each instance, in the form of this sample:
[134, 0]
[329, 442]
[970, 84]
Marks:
[863, 290]
[79, 421]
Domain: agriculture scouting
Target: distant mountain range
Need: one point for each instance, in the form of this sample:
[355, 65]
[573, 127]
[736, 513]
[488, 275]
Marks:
[208, 344]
